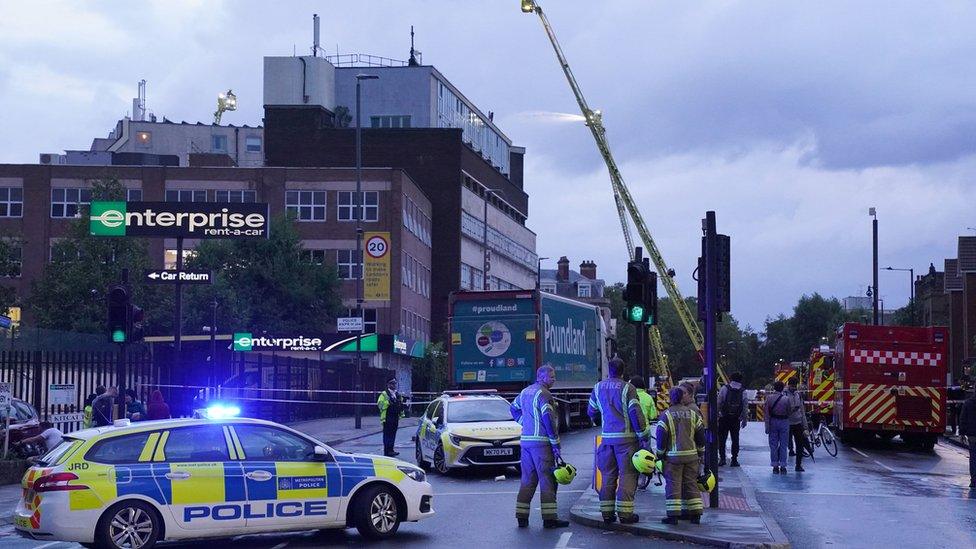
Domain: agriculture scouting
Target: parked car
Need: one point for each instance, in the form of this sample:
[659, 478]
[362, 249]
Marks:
[24, 422]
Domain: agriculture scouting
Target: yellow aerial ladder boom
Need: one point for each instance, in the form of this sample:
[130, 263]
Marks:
[622, 197]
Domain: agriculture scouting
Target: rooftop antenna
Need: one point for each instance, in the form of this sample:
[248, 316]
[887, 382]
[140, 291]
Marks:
[415, 56]
[139, 103]
[315, 35]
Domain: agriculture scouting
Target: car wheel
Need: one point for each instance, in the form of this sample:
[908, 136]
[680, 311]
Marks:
[419, 456]
[440, 462]
[128, 525]
[377, 513]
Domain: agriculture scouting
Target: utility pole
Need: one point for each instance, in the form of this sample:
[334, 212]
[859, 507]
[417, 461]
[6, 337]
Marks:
[874, 231]
[358, 256]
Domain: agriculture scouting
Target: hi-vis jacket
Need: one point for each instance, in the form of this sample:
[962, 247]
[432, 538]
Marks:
[386, 403]
[535, 410]
[614, 404]
[681, 434]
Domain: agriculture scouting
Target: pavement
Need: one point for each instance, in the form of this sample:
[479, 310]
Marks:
[739, 520]
[337, 430]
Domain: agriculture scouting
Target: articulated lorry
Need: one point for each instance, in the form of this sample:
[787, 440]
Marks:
[500, 338]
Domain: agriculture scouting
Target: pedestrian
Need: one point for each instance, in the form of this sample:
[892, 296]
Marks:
[198, 406]
[49, 439]
[390, 403]
[158, 409]
[954, 395]
[681, 444]
[733, 415]
[798, 421]
[135, 410]
[967, 428]
[103, 407]
[776, 411]
[87, 421]
[647, 401]
[614, 406]
[535, 409]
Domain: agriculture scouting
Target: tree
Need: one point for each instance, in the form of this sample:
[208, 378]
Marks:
[70, 293]
[265, 285]
[11, 254]
[430, 373]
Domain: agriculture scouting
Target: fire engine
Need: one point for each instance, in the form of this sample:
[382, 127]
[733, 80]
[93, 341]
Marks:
[820, 380]
[891, 380]
[784, 371]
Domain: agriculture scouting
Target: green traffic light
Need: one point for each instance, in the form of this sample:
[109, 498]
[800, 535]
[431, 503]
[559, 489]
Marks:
[636, 313]
[118, 336]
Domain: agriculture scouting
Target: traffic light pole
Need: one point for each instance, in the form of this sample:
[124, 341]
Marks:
[120, 359]
[711, 317]
[178, 315]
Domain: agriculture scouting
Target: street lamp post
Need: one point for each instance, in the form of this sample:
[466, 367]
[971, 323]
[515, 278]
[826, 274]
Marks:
[874, 230]
[357, 208]
[911, 288]
[538, 273]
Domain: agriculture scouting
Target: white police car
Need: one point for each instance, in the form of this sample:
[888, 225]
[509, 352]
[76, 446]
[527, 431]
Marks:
[468, 429]
[132, 485]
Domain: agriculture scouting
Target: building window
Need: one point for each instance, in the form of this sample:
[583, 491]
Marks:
[11, 202]
[583, 290]
[315, 257]
[370, 205]
[169, 258]
[306, 205]
[350, 264]
[549, 287]
[235, 196]
[14, 260]
[369, 319]
[186, 195]
[252, 144]
[69, 202]
[133, 195]
[218, 143]
[389, 121]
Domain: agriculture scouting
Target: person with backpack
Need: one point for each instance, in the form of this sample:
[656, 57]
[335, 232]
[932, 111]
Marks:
[777, 418]
[733, 415]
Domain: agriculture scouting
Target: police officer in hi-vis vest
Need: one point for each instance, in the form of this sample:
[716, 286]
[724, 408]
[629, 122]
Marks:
[392, 409]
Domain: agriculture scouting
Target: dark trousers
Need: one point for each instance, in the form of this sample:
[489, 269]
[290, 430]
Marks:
[799, 441]
[390, 427]
[972, 460]
[728, 425]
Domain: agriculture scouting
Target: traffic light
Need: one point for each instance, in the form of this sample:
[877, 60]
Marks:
[136, 317]
[118, 314]
[634, 293]
[723, 290]
[650, 299]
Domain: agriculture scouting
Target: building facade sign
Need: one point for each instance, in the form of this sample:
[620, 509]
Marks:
[246, 220]
[376, 278]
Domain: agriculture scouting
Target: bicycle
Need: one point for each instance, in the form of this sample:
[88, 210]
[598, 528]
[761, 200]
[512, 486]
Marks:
[821, 435]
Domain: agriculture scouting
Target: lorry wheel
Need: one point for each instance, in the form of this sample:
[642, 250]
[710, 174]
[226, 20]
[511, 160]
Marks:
[564, 421]
[847, 437]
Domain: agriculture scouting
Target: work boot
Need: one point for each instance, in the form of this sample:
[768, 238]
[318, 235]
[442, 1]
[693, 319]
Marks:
[792, 453]
[734, 463]
[395, 453]
[555, 523]
[523, 522]
[629, 519]
[695, 519]
[775, 469]
[669, 520]
[799, 469]
[721, 462]
[609, 518]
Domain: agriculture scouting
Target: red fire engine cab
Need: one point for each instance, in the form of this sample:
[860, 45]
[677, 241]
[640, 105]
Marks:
[891, 380]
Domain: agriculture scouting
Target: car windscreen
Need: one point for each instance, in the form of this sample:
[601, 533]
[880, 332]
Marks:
[469, 411]
[60, 451]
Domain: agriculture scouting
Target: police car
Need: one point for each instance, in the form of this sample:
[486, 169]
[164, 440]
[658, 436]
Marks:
[465, 429]
[132, 485]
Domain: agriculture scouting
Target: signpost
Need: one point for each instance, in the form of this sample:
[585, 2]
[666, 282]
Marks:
[349, 324]
[167, 276]
[62, 394]
[376, 279]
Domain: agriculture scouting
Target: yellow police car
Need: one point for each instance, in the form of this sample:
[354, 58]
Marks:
[132, 485]
[467, 429]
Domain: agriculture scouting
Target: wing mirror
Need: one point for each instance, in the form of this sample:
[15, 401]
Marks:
[321, 454]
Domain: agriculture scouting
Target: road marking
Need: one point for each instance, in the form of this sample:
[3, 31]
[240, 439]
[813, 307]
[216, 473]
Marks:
[48, 544]
[281, 545]
[835, 494]
[499, 493]
[564, 540]
[874, 460]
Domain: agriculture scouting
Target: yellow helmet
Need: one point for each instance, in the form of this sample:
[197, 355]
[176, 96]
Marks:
[706, 481]
[644, 462]
[564, 473]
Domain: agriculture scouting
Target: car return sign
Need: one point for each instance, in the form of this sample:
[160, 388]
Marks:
[180, 219]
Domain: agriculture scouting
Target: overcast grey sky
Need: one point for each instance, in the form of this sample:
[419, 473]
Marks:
[788, 119]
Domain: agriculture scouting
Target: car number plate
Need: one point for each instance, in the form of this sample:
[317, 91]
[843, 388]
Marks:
[22, 522]
[498, 452]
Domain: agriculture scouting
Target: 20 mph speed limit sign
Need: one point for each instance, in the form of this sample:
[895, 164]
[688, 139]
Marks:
[376, 268]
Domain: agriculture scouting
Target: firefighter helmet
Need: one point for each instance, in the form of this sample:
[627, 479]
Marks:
[706, 481]
[564, 472]
[644, 462]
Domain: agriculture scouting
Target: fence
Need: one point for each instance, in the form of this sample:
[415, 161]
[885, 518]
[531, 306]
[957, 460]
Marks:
[32, 373]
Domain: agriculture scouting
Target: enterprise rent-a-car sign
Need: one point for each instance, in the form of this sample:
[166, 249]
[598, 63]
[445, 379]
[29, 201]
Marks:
[180, 219]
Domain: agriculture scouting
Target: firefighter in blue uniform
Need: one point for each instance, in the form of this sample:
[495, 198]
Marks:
[681, 444]
[615, 406]
[535, 409]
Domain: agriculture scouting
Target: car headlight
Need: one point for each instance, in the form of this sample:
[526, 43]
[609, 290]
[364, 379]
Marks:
[455, 440]
[413, 473]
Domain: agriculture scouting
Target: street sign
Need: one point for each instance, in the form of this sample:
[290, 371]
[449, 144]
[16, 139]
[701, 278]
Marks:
[349, 324]
[232, 220]
[5, 322]
[63, 394]
[67, 418]
[168, 276]
[376, 274]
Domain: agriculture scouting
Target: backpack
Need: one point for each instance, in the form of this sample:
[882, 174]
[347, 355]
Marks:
[732, 406]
